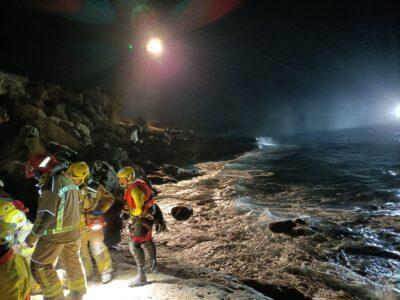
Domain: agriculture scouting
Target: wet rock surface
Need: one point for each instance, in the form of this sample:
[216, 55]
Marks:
[166, 285]
[296, 227]
[86, 125]
[239, 242]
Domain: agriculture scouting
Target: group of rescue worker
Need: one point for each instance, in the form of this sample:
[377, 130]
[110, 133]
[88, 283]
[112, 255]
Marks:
[69, 222]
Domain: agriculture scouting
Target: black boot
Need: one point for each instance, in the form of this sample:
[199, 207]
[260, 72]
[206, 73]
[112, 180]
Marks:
[151, 249]
[138, 253]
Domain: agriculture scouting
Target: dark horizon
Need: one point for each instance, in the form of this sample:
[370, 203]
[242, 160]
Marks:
[260, 67]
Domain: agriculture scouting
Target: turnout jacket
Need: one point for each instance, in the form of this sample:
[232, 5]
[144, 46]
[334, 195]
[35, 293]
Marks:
[58, 217]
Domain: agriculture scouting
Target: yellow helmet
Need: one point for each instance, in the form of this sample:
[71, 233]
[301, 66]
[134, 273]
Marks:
[79, 170]
[5, 207]
[127, 173]
[11, 219]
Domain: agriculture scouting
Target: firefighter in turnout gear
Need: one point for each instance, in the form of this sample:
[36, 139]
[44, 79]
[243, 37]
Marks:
[95, 201]
[56, 229]
[15, 213]
[15, 278]
[140, 204]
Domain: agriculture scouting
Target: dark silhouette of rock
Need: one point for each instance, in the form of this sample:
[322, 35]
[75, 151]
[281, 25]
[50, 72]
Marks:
[181, 213]
[157, 179]
[291, 227]
[85, 125]
[284, 226]
[277, 292]
[300, 221]
[178, 173]
[371, 250]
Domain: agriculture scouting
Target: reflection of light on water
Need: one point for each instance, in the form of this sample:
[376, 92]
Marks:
[392, 209]
[397, 138]
[392, 173]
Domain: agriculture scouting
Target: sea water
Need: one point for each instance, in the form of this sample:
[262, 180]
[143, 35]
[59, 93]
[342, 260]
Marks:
[346, 184]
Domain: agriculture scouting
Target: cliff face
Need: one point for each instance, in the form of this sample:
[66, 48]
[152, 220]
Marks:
[85, 125]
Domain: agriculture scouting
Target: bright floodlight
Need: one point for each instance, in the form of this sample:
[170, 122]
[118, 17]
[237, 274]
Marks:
[155, 47]
[397, 111]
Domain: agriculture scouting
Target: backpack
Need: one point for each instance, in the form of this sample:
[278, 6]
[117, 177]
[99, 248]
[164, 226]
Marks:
[145, 188]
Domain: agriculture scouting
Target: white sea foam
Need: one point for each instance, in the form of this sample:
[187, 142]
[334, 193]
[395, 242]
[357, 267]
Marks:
[266, 142]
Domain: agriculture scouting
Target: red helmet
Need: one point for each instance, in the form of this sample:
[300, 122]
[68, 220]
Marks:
[41, 163]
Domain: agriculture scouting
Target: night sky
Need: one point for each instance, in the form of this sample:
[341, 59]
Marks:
[229, 67]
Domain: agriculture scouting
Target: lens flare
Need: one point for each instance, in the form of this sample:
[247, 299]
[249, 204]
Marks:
[155, 47]
[397, 111]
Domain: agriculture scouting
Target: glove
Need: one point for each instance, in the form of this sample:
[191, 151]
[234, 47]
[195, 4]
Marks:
[161, 227]
[96, 213]
[124, 213]
[31, 239]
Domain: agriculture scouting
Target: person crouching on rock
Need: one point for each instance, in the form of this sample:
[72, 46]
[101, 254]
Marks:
[95, 200]
[140, 203]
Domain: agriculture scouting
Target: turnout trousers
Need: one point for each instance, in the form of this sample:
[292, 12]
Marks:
[43, 270]
[94, 239]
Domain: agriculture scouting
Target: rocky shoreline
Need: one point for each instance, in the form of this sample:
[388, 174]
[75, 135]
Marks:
[86, 125]
[227, 238]
[224, 247]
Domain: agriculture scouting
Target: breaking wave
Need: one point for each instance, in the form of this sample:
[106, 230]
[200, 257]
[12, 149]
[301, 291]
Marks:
[265, 142]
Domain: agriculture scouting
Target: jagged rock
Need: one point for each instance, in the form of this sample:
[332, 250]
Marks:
[63, 152]
[83, 132]
[157, 179]
[289, 227]
[27, 112]
[277, 292]
[77, 117]
[67, 125]
[104, 136]
[75, 99]
[371, 250]
[300, 221]
[59, 111]
[149, 166]
[35, 145]
[88, 122]
[28, 131]
[285, 226]
[54, 132]
[95, 115]
[29, 137]
[103, 172]
[119, 131]
[43, 95]
[12, 85]
[120, 157]
[179, 173]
